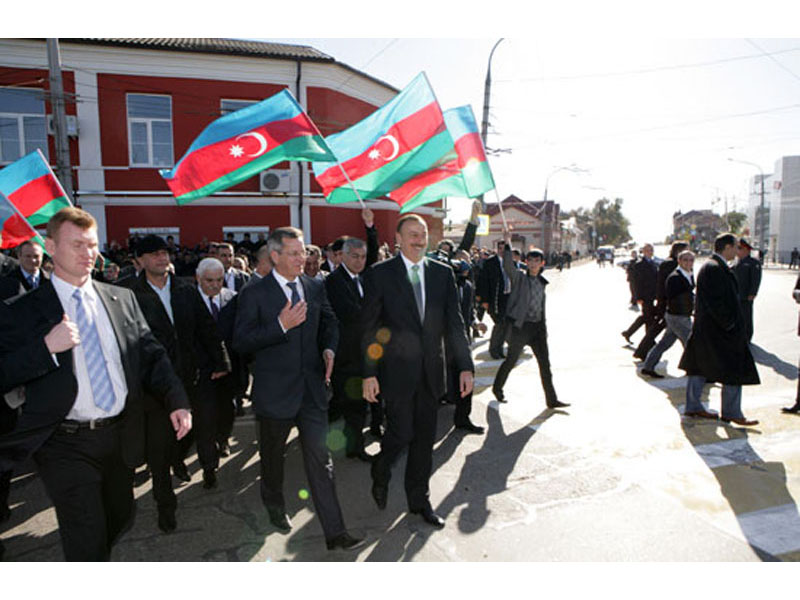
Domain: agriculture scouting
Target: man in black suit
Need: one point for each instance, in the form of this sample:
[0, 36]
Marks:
[717, 349]
[410, 307]
[286, 323]
[83, 417]
[234, 278]
[345, 291]
[645, 278]
[179, 321]
[748, 276]
[493, 289]
[25, 276]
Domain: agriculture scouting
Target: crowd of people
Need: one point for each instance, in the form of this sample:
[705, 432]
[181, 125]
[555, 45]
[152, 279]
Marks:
[711, 316]
[111, 361]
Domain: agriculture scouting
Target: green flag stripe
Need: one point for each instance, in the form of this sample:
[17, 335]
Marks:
[42, 216]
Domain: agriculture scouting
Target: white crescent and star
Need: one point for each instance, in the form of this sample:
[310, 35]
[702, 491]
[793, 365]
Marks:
[375, 154]
[237, 151]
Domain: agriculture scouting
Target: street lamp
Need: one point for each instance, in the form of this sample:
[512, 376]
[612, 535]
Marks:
[573, 168]
[487, 91]
[762, 243]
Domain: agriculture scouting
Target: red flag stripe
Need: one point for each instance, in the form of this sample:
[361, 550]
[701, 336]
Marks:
[15, 230]
[215, 160]
[413, 187]
[469, 147]
[35, 194]
[410, 132]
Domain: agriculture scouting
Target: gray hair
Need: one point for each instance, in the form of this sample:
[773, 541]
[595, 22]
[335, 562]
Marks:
[209, 264]
[352, 243]
[275, 239]
[685, 254]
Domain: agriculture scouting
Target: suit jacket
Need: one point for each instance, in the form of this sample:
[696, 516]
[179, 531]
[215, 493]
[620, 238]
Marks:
[748, 276]
[239, 279]
[717, 347]
[287, 367]
[491, 284]
[645, 280]
[50, 389]
[193, 343]
[679, 294]
[519, 299]
[7, 263]
[396, 346]
[238, 379]
[16, 283]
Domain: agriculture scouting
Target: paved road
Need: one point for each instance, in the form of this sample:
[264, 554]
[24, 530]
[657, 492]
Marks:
[618, 476]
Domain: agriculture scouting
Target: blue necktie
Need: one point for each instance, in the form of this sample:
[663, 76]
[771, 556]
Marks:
[295, 293]
[102, 390]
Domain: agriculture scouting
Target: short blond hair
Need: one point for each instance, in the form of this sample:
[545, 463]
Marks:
[76, 216]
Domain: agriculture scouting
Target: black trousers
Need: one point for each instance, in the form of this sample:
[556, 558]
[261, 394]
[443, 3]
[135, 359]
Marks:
[90, 487]
[463, 405]
[347, 396]
[654, 324]
[747, 313]
[8, 420]
[646, 316]
[160, 447]
[312, 424]
[212, 421]
[411, 423]
[535, 336]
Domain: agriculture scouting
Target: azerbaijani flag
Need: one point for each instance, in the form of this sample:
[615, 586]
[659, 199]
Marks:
[14, 229]
[31, 186]
[400, 140]
[467, 175]
[240, 144]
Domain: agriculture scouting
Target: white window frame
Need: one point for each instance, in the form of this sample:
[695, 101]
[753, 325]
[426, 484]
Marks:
[222, 110]
[21, 128]
[148, 121]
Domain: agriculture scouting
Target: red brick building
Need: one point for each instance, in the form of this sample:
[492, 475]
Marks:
[136, 104]
[535, 223]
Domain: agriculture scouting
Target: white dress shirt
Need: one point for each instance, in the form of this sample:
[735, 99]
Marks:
[84, 408]
[421, 272]
[689, 276]
[165, 296]
[230, 281]
[208, 300]
[282, 282]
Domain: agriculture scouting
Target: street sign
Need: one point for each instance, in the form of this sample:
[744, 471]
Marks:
[483, 225]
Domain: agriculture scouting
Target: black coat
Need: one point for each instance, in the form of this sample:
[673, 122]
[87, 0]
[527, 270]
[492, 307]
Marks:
[15, 283]
[717, 347]
[397, 347]
[7, 263]
[645, 280]
[679, 295]
[50, 389]
[287, 367]
[193, 343]
[490, 286]
[748, 276]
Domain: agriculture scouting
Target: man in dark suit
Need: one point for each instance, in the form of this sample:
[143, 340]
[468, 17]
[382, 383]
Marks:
[493, 289]
[25, 276]
[176, 316]
[7, 263]
[286, 323]
[83, 417]
[717, 349]
[645, 278]
[345, 291]
[748, 276]
[410, 306]
[234, 278]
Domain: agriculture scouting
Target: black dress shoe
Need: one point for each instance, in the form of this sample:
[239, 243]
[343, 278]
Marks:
[499, 396]
[166, 520]
[627, 338]
[362, 455]
[557, 404]
[497, 355]
[469, 427]
[430, 517]
[209, 479]
[141, 477]
[277, 516]
[345, 541]
[240, 411]
[652, 373]
[181, 472]
[380, 494]
[377, 431]
[792, 409]
[5, 513]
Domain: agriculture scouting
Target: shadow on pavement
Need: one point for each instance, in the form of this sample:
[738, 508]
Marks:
[781, 367]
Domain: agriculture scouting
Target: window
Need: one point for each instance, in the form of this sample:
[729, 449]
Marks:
[23, 127]
[150, 130]
[229, 106]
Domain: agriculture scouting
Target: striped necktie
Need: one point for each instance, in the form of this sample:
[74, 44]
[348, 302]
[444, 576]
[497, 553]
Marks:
[102, 390]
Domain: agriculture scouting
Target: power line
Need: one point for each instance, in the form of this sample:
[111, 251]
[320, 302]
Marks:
[647, 70]
[773, 59]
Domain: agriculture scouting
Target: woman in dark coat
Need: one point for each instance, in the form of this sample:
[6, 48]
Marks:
[796, 407]
[717, 349]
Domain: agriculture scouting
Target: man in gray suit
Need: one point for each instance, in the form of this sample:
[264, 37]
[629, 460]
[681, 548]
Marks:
[285, 321]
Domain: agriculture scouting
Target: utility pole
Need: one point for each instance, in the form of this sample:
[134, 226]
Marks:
[63, 166]
[487, 92]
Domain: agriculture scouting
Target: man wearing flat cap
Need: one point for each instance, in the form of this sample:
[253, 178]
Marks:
[748, 276]
[178, 318]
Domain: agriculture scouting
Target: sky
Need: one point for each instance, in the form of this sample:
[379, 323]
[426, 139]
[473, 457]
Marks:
[652, 121]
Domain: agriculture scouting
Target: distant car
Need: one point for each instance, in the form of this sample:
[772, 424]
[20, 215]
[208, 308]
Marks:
[605, 253]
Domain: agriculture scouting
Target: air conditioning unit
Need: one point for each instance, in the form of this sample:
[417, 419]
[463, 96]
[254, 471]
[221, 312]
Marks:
[72, 125]
[275, 180]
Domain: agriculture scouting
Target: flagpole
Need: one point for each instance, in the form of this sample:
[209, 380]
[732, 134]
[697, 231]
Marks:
[502, 214]
[49, 168]
[346, 176]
